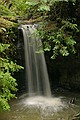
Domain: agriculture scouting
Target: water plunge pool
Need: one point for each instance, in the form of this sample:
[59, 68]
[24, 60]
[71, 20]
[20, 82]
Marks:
[43, 108]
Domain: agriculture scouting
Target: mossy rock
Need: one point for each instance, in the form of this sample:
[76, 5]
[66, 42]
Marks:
[5, 24]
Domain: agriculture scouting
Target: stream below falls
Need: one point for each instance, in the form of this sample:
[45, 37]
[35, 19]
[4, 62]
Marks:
[60, 107]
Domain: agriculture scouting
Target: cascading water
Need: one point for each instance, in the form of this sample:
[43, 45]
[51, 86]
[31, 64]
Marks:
[36, 71]
[40, 99]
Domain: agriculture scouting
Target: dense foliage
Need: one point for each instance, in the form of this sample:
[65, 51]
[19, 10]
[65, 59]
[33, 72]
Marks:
[8, 66]
[58, 19]
[59, 25]
[7, 82]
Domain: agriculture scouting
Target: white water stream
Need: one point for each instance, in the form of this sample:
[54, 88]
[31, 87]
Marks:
[36, 71]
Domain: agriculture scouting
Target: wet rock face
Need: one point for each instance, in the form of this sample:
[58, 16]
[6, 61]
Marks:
[64, 72]
[70, 74]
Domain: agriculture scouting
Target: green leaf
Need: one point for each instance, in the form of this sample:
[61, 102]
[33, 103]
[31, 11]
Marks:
[3, 47]
[64, 51]
[70, 41]
[47, 47]
[44, 8]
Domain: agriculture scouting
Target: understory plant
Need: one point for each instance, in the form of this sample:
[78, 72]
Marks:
[8, 84]
[59, 38]
[58, 23]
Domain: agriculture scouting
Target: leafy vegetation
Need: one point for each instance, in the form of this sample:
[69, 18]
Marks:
[58, 24]
[7, 82]
[59, 28]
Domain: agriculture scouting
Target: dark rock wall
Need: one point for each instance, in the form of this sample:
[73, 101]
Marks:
[64, 72]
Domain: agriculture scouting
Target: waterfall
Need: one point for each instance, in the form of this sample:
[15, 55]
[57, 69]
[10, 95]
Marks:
[36, 71]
